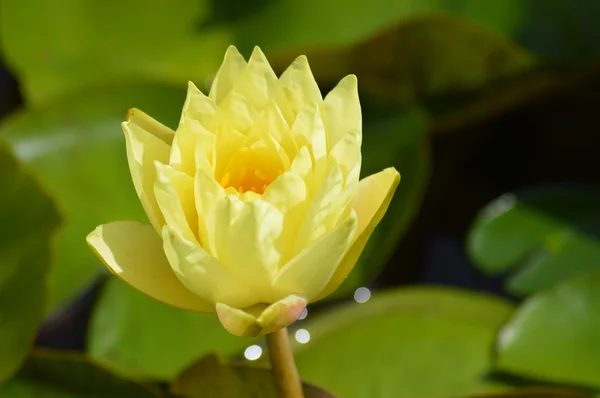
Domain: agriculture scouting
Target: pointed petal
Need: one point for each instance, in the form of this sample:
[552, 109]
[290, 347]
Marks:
[308, 273]
[342, 110]
[232, 65]
[309, 130]
[207, 192]
[259, 84]
[299, 85]
[197, 106]
[152, 126]
[133, 251]
[371, 202]
[205, 275]
[174, 192]
[302, 164]
[193, 147]
[143, 149]
[244, 236]
[258, 320]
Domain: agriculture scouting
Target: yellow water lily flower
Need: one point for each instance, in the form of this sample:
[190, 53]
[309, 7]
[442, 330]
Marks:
[254, 202]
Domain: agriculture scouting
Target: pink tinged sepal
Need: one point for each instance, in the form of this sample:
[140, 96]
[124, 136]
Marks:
[261, 319]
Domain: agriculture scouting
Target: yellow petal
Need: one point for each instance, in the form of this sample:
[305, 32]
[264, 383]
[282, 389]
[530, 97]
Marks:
[244, 236]
[236, 112]
[299, 85]
[371, 202]
[133, 251]
[174, 192]
[207, 192]
[342, 110]
[261, 319]
[227, 143]
[346, 152]
[302, 164]
[259, 84]
[204, 275]
[273, 123]
[308, 130]
[193, 147]
[232, 65]
[321, 206]
[154, 127]
[308, 273]
[143, 149]
[197, 106]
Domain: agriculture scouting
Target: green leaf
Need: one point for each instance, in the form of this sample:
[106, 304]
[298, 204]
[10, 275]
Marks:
[213, 378]
[29, 220]
[399, 141]
[418, 343]
[143, 338]
[76, 149]
[72, 46]
[563, 323]
[54, 374]
[543, 235]
[539, 392]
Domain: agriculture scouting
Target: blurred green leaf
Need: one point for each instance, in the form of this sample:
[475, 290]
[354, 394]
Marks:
[54, 374]
[418, 343]
[543, 235]
[29, 220]
[76, 149]
[539, 392]
[555, 334]
[143, 338]
[212, 378]
[399, 141]
[69, 47]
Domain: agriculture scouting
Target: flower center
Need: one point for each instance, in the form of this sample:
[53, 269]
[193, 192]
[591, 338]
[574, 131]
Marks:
[249, 171]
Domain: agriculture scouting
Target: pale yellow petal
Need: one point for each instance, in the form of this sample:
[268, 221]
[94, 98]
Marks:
[342, 110]
[134, 252]
[244, 236]
[143, 149]
[308, 273]
[273, 123]
[302, 164]
[321, 206]
[259, 84]
[174, 192]
[371, 202]
[308, 130]
[232, 65]
[207, 193]
[193, 147]
[227, 143]
[154, 127]
[299, 85]
[236, 112]
[197, 106]
[204, 275]
[346, 152]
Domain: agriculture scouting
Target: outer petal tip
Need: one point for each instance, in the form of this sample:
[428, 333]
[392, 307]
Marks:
[258, 320]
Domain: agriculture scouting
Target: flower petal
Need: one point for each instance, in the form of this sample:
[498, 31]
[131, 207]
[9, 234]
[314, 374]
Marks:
[244, 236]
[308, 130]
[197, 106]
[174, 192]
[205, 275]
[232, 65]
[258, 320]
[342, 110]
[299, 85]
[152, 126]
[193, 147]
[133, 251]
[371, 202]
[308, 273]
[143, 149]
[207, 192]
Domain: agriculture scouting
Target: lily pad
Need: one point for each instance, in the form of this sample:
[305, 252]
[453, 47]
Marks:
[554, 336]
[143, 338]
[29, 221]
[542, 237]
[76, 149]
[399, 342]
[55, 374]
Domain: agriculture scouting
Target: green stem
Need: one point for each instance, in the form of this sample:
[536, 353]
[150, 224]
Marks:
[282, 362]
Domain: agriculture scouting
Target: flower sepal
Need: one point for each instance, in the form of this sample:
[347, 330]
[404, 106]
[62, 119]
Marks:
[261, 319]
